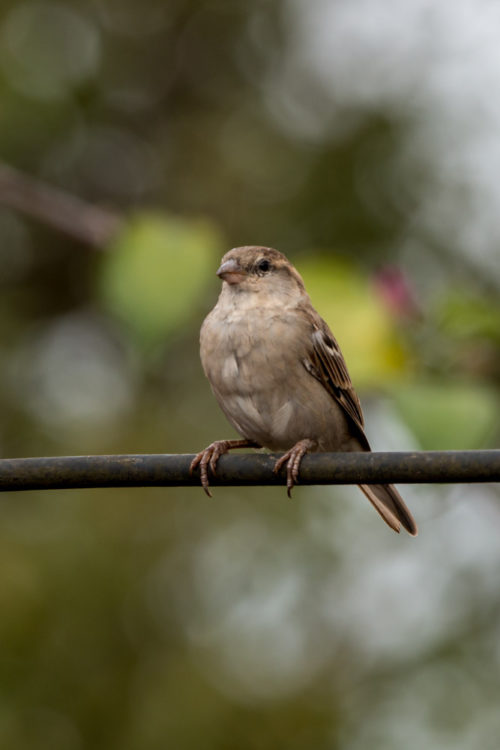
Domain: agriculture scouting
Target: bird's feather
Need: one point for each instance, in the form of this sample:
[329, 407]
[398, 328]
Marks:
[327, 365]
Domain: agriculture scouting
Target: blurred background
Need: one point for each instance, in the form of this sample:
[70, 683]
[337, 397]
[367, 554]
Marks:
[139, 142]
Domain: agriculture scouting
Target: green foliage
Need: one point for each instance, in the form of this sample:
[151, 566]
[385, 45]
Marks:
[154, 273]
[446, 415]
[465, 315]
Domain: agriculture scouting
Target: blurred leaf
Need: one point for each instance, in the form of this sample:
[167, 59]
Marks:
[448, 416]
[153, 274]
[465, 316]
[364, 329]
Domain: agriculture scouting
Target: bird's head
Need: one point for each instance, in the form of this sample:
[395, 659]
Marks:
[260, 270]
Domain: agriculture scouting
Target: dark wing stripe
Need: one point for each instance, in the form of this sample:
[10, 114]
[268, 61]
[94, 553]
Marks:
[326, 363]
[328, 366]
[344, 396]
[334, 362]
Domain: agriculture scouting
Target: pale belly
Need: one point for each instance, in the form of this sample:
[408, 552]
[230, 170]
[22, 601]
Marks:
[269, 398]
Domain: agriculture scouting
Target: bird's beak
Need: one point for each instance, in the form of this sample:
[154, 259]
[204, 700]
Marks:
[231, 272]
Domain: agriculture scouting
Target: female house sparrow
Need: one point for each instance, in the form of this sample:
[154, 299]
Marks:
[279, 376]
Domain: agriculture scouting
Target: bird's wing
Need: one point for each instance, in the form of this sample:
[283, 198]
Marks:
[326, 363]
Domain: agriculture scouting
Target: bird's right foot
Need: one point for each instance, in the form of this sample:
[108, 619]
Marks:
[208, 458]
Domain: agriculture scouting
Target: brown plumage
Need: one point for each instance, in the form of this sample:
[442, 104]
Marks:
[279, 375]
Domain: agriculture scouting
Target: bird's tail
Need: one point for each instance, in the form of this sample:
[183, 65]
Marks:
[391, 506]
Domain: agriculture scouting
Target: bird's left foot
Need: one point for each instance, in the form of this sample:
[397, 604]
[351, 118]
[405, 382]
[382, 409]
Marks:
[292, 459]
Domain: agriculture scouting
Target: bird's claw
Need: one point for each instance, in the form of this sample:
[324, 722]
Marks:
[293, 459]
[207, 458]
[202, 460]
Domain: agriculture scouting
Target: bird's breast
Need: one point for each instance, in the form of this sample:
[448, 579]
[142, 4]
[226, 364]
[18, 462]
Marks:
[247, 351]
[254, 363]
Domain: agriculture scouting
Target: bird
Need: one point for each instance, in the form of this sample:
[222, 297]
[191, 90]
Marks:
[279, 375]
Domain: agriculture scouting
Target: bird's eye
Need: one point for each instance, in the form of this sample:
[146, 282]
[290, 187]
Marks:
[263, 266]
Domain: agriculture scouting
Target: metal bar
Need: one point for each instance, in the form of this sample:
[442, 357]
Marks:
[163, 470]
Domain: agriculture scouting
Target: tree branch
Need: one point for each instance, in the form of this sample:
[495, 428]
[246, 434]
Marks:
[83, 221]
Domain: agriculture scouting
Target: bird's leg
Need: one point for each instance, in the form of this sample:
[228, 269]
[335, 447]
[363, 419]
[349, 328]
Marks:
[210, 455]
[292, 459]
